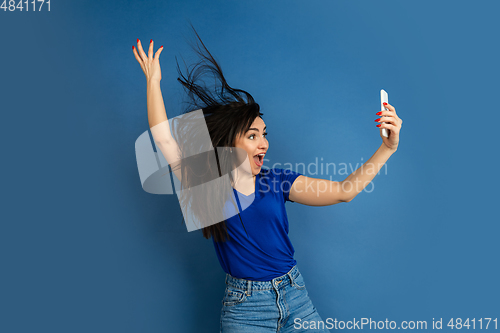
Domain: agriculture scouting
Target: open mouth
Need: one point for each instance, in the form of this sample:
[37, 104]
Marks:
[259, 159]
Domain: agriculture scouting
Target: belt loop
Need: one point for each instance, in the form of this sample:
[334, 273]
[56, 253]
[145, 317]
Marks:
[291, 278]
[249, 288]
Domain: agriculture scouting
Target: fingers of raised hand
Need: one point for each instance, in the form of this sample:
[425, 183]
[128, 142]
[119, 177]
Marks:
[138, 58]
[157, 54]
[150, 51]
[390, 127]
[143, 55]
[390, 113]
[389, 119]
[390, 107]
[395, 120]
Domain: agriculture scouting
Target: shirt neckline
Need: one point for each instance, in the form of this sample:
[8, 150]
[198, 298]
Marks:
[256, 188]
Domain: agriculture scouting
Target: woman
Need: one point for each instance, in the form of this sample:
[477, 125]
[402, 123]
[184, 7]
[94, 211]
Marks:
[265, 291]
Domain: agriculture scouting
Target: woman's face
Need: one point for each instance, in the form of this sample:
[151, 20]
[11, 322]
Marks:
[254, 142]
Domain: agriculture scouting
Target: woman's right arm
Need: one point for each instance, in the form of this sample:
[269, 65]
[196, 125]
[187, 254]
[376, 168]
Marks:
[160, 128]
[157, 116]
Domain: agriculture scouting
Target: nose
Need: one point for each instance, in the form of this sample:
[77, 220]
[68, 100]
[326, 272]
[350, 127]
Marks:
[263, 143]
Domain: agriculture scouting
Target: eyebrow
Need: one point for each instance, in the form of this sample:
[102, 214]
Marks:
[256, 129]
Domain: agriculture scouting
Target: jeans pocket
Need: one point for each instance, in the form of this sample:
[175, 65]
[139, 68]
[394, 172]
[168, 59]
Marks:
[233, 296]
[298, 282]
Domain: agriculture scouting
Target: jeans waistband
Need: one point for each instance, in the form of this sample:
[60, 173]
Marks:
[249, 285]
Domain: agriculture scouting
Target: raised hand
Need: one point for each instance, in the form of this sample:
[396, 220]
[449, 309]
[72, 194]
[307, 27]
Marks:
[392, 123]
[150, 64]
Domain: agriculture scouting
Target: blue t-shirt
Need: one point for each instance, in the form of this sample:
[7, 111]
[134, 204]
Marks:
[266, 252]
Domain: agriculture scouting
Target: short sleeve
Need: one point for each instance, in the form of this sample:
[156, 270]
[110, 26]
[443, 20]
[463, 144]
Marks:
[287, 177]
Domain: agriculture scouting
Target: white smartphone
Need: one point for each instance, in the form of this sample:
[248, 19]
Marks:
[384, 98]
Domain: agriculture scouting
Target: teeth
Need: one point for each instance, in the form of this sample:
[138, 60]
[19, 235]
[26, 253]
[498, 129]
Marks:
[261, 154]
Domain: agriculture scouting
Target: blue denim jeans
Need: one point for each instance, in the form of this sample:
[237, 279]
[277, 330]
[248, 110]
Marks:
[280, 305]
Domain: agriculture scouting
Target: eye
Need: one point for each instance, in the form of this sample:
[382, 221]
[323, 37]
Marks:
[253, 135]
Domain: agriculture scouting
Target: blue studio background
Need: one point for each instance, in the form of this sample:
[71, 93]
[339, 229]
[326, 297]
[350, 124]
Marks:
[84, 248]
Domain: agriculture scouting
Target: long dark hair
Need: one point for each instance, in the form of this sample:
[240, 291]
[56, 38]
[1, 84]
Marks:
[228, 112]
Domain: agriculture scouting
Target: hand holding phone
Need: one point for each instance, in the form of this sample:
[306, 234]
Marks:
[384, 98]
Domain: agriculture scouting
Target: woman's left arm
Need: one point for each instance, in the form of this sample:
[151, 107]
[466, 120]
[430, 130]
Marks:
[321, 192]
